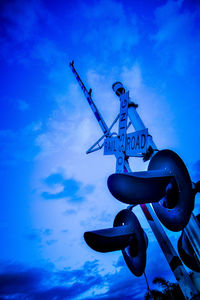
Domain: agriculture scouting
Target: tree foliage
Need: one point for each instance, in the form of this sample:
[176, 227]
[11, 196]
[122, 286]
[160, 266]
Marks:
[167, 291]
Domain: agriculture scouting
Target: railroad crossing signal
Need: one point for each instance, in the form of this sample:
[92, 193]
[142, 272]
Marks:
[166, 185]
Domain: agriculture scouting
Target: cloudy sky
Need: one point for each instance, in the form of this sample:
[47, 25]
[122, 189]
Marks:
[51, 191]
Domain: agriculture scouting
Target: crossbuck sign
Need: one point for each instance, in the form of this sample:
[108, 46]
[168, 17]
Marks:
[132, 144]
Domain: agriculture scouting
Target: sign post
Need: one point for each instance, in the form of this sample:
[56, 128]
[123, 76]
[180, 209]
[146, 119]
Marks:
[120, 154]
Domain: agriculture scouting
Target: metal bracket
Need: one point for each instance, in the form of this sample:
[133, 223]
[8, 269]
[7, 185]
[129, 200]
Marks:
[92, 149]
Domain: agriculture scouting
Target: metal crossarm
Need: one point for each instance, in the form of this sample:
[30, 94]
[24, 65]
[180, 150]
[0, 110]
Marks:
[90, 101]
[93, 149]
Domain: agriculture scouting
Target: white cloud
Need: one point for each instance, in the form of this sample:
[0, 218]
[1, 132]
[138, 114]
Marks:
[23, 18]
[120, 31]
[18, 146]
[22, 31]
[23, 106]
[71, 130]
[108, 30]
[177, 38]
[153, 109]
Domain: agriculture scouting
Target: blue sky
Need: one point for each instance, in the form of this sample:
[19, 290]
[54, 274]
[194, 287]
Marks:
[51, 191]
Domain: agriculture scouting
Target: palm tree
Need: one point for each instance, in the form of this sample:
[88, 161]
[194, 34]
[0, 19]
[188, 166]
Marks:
[154, 295]
[169, 291]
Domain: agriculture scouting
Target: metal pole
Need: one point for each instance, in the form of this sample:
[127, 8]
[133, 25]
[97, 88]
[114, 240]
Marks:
[192, 231]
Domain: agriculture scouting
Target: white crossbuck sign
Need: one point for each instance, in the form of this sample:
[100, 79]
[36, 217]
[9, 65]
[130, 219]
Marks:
[136, 143]
[132, 144]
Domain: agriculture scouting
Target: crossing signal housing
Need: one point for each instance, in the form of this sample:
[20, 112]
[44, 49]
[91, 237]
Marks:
[126, 235]
[166, 184]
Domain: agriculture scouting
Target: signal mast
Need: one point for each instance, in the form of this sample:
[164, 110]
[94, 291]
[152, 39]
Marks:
[166, 186]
